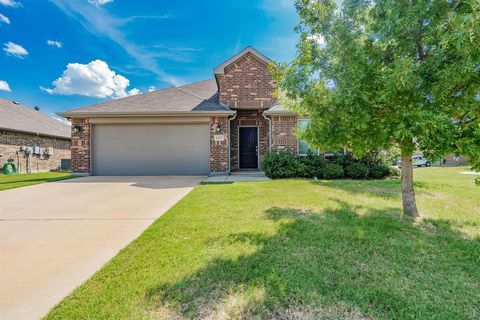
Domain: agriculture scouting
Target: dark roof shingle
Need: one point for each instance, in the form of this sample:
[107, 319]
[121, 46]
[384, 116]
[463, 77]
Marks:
[196, 97]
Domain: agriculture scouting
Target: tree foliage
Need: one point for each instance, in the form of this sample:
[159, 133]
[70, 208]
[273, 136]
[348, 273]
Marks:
[375, 73]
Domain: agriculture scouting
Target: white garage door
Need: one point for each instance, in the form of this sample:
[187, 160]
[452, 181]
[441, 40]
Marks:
[151, 149]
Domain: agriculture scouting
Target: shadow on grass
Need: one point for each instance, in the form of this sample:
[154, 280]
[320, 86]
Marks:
[388, 188]
[334, 264]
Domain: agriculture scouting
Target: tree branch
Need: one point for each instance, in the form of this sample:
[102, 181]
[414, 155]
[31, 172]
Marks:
[455, 6]
[417, 36]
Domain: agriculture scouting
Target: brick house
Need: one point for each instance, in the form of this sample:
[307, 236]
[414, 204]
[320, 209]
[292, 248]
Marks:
[213, 126]
[32, 140]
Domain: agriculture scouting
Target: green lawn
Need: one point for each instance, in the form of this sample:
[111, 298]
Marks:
[299, 249]
[22, 180]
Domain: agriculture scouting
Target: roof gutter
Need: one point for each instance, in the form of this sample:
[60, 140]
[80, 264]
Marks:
[145, 114]
[36, 133]
[230, 119]
[264, 114]
[280, 113]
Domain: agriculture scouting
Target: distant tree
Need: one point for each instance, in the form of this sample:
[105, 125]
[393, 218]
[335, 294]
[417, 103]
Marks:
[374, 73]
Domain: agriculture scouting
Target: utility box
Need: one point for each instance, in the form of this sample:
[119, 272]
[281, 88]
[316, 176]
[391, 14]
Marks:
[65, 164]
[49, 151]
[37, 150]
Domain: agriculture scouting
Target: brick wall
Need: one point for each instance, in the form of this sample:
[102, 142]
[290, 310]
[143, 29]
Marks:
[248, 118]
[218, 149]
[283, 133]
[246, 83]
[11, 142]
[81, 146]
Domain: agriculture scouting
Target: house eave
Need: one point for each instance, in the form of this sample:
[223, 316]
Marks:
[36, 133]
[279, 113]
[145, 114]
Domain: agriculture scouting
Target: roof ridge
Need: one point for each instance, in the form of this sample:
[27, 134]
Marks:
[192, 94]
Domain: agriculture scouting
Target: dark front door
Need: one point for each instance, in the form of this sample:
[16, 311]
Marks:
[248, 148]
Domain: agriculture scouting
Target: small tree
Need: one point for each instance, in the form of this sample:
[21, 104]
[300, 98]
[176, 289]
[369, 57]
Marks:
[371, 74]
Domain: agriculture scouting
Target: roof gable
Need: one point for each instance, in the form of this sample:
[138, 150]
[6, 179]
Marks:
[221, 68]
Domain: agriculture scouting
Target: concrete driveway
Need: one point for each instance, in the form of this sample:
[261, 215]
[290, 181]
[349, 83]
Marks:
[54, 236]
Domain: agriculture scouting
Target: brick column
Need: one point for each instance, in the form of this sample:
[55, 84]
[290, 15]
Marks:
[80, 146]
[218, 149]
[283, 133]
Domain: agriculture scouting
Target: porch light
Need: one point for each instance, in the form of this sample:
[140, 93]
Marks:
[218, 128]
[77, 128]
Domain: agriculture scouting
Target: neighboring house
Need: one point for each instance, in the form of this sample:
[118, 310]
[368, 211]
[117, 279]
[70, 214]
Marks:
[33, 141]
[214, 126]
[453, 160]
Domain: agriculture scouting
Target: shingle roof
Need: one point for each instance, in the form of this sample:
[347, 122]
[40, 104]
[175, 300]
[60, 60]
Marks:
[17, 117]
[279, 109]
[201, 97]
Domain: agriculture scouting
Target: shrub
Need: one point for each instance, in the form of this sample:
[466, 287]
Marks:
[343, 160]
[284, 164]
[312, 165]
[378, 171]
[280, 164]
[332, 171]
[356, 170]
[394, 172]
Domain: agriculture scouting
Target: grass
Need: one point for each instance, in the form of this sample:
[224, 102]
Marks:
[299, 249]
[22, 180]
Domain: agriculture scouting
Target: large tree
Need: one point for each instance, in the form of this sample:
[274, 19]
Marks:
[376, 73]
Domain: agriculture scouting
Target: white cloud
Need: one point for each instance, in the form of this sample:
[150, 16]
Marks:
[55, 43]
[15, 50]
[102, 24]
[151, 88]
[10, 3]
[99, 2]
[134, 92]
[94, 79]
[4, 86]
[4, 19]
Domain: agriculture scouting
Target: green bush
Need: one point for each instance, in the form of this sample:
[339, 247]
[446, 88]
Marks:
[332, 171]
[284, 164]
[312, 165]
[394, 172]
[343, 160]
[356, 170]
[280, 164]
[378, 171]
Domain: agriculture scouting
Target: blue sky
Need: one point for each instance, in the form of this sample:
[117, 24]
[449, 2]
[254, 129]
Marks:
[62, 54]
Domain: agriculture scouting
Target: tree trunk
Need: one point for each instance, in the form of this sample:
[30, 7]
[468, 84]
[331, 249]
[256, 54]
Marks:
[408, 194]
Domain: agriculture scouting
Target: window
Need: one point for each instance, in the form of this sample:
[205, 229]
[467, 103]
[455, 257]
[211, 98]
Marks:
[303, 147]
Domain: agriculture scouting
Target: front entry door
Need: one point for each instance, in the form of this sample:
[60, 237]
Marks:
[248, 148]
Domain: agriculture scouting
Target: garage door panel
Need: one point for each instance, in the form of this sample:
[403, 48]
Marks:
[151, 149]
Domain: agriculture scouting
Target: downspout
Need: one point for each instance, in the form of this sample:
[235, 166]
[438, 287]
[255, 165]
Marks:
[230, 142]
[269, 131]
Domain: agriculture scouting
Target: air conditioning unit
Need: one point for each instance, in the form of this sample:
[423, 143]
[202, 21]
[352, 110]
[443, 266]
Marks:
[49, 151]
